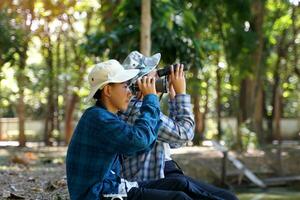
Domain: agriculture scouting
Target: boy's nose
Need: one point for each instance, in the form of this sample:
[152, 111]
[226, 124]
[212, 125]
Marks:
[129, 93]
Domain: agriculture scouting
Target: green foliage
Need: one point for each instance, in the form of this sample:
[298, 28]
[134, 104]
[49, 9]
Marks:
[11, 36]
[205, 35]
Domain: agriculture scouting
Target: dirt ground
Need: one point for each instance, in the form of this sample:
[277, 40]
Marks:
[39, 172]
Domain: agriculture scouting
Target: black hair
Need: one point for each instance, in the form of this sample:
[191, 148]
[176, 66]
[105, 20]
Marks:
[97, 97]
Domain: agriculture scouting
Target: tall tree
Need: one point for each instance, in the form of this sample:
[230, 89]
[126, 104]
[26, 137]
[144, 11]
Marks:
[82, 63]
[257, 10]
[146, 28]
[49, 119]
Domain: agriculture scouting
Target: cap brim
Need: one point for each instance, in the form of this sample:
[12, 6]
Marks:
[151, 63]
[152, 60]
[124, 76]
[93, 92]
[121, 77]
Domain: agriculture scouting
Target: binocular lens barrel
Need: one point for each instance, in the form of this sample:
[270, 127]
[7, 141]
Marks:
[161, 85]
[167, 70]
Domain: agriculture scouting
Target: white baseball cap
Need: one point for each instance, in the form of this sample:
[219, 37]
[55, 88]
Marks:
[110, 71]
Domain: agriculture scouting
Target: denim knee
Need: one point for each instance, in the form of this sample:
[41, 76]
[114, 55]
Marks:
[182, 196]
[179, 180]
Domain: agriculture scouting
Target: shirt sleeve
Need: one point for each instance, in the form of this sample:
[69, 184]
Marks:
[119, 136]
[172, 108]
[179, 128]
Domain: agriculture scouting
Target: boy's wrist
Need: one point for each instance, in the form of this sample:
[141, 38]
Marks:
[150, 97]
[180, 91]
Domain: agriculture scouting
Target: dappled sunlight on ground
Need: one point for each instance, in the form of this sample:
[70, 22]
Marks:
[39, 172]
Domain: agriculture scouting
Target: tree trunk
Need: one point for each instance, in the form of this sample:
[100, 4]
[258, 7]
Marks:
[257, 10]
[198, 119]
[57, 109]
[218, 103]
[71, 104]
[275, 97]
[205, 110]
[245, 106]
[268, 118]
[258, 115]
[199, 116]
[49, 123]
[21, 116]
[277, 114]
[1, 64]
[196, 109]
[146, 28]
[69, 117]
[68, 122]
[281, 53]
[21, 104]
[277, 129]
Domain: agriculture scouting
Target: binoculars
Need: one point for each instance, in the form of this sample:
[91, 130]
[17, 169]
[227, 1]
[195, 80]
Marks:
[167, 70]
[162, 83]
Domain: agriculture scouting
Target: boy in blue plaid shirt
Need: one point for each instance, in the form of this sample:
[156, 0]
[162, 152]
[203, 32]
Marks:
[175, 130]
[101, 139]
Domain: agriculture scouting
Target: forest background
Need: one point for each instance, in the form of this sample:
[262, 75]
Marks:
[243, 57]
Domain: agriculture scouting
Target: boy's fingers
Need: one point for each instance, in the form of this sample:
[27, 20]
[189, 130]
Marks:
[177, 72]
[172, 71]
[149, 81]
[139, 81]
[181, 70]
[172, 68]
[153, 79]
[144, 81]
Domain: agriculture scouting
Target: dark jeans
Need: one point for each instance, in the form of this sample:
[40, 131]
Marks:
[170, 188]
[207, 191]
[162, 189]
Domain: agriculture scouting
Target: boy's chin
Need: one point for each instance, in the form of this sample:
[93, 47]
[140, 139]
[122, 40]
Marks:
[124, 108]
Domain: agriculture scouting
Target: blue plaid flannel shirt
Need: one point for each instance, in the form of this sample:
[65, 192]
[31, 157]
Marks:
[100, 137]
[176, 129]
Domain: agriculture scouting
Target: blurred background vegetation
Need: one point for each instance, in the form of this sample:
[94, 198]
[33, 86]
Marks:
[243, 55]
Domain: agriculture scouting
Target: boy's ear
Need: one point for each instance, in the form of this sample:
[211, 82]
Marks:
[107, 91]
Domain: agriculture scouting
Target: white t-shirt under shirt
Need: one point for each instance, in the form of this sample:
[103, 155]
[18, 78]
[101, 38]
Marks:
[167, 151]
